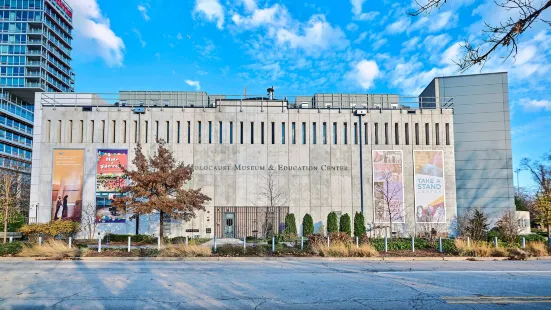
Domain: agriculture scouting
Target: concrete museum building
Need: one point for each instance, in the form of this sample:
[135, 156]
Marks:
[414, 162]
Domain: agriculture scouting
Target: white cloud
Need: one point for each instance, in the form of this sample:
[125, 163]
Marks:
[250, 5]
[451, 54]
[436, 43]
[143, 10]
[410, 44]
[360, 38]
[139, 35]
[525, 55]
[364, 73]
[530, 105]
[272, 16]
[357, 11]
[357, 6]
[90, 24]
[179, 36]
[316, 35]
[352, 27]
[379, 43]
[212, 10]
[443, 20]
[398, 26]
[195, 84]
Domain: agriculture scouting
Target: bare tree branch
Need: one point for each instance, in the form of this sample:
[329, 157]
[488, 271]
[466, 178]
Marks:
[505, 35]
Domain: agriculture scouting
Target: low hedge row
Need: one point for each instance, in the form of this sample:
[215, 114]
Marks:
[10, 248]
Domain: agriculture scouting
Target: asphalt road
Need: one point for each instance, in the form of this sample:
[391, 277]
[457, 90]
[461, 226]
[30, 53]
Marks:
[282, 284]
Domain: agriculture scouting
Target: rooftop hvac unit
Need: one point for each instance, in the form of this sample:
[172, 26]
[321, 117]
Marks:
[123, 103]
[87, 109]
[304, 105]
[394, 106]
[328, 105]
[361, 112]
[139, 110]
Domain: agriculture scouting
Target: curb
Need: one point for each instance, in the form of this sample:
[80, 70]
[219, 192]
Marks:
[290, 258]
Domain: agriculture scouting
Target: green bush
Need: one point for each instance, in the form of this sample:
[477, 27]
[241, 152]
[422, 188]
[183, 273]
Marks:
[345, 224]
[332, 223]
[15, 221]
[307, 225]
[359, 224]
[290, 225]
[10, 248]
[134, 238]
[448, 246]
[400, 244]
[532, 237]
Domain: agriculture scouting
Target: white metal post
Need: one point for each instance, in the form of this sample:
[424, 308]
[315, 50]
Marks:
[159, 243]
[468, 241]
[214, 244]
[412, 244]
[244, 244]
[386, 244]
[357, 242]
[327, 240]
[301, 243]
[99, 245]
[129, 242]
[495, 241]
[40, 241]
[273, 244]
[186, 241]
[440, 244]
[70, 242]
[523, 242]
[11, 239]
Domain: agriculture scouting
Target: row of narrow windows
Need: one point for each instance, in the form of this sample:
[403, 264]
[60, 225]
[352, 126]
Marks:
[300, 128]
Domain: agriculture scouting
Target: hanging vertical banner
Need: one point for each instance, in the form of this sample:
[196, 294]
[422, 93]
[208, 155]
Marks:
[67, 177]
[388, 187]
[429, 187]
[110, 179]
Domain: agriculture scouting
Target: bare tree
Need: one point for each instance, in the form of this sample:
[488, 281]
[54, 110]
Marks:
[14, 187]
[505, 35]
[429, 227]
[89, 223]
[540, 170]
[272, 195]
[508, 226]
[388, 199]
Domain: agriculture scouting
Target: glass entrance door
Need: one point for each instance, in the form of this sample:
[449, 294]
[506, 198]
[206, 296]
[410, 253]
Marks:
[229, 225]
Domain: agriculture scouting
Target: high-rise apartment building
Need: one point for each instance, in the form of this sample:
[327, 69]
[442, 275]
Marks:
[35, 56]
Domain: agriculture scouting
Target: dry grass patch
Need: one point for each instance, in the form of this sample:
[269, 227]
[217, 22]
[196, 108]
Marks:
[182, 250]
[338, 249]
[53, 249]
[474, 249]
[537, 248]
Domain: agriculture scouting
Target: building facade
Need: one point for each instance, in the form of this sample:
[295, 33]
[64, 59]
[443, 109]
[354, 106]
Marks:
[35, 56]
[483, 156]
[257, 158]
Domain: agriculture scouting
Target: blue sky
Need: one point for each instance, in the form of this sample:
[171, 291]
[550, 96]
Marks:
[304, 47]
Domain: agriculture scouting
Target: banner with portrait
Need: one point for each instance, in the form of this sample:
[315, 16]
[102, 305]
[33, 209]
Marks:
[110, 179]
[67, 178]
[388, 186]
[429, 187]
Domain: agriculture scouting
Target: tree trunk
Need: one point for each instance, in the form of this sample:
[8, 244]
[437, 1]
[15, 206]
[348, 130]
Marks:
[6, 209]
[5, 222]
[161, 226]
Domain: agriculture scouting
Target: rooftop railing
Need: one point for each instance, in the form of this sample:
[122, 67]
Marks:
[203, 100]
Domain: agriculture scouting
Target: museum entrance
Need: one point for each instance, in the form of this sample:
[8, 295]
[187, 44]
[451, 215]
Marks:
[240, 222]
[229, 225]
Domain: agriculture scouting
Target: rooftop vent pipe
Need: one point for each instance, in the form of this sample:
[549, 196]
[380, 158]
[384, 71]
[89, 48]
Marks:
[271, 93]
